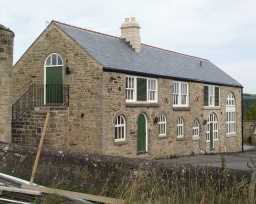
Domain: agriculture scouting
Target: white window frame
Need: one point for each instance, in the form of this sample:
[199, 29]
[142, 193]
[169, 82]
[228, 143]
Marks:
[149, 90]
[196, 129]
[162, 123]
[180, 128]
[211, 96]
[131, 89]
[177, 93]
[230, 115]
[212, 118]
[120, 125]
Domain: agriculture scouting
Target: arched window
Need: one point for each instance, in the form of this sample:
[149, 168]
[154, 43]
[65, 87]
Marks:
[161, 125]
[230, 114]
[212, 127]
[120, 128]
[196, 129]
[54, 60]
[180, 128]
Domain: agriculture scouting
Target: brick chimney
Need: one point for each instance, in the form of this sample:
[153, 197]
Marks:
[130, 31]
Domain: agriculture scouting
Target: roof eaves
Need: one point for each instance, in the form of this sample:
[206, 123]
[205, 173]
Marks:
[111, 69]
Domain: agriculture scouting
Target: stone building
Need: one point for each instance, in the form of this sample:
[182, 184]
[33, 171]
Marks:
[117, 96]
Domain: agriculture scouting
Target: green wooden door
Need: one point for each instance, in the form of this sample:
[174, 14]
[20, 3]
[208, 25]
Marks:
[141, 135]
[54, 85]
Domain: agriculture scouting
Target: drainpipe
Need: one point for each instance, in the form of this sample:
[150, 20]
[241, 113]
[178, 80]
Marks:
[242, 118]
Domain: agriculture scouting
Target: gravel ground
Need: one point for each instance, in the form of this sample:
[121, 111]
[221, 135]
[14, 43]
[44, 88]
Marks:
[238, 161]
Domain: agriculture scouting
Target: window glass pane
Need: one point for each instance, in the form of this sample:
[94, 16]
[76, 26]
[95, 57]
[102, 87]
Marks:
[141, 89]
[217, 96]
[206, 99]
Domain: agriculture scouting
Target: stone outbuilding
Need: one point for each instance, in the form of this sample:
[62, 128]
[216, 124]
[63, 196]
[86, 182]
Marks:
[117, 96]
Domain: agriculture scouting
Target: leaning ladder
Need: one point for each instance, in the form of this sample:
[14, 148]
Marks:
[40, 147]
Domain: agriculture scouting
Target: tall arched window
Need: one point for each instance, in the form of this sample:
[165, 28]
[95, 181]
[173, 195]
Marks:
[212, 127]
[53, 80]
[161, 125]
[196, 129]
[180, 128]
[230, 114]
[120, 128]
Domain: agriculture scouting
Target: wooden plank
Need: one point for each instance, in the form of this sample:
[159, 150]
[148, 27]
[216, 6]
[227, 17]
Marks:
[20, 190]
[40, 148]
[13, 201]
[76, 195]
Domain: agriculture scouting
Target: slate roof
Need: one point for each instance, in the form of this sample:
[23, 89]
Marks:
[115, 54]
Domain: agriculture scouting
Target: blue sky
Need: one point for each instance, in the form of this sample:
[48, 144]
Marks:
[223, 31]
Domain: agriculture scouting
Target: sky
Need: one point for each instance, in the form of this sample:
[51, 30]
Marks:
[223, 31]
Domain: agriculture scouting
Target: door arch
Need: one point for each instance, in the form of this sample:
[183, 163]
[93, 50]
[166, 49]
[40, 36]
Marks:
[142, 134]
[53, 80]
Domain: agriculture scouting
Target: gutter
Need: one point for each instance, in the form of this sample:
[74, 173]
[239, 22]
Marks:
[111, 69]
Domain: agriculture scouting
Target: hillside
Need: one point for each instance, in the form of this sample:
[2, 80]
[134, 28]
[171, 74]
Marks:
[248, 101]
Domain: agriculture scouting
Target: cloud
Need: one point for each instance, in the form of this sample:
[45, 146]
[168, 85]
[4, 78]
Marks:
[222, 31]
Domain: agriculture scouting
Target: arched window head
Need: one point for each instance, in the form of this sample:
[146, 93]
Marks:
[180, 128]
[161, 125]
[230, 114]
[54, 60]
[120, 128]
[212, 123]
[231, 101]
[196, 129]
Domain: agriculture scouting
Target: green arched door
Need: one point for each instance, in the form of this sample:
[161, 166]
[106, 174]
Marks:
[142, 134]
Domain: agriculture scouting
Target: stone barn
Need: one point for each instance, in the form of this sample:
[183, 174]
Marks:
[115, 95]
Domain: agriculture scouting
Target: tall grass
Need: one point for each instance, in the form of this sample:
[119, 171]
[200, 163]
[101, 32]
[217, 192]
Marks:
[188, 186]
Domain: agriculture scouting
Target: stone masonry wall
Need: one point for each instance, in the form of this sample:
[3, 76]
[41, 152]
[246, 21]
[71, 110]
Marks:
[114, 104]
[79, 128]
[6, 60]
[249, 128]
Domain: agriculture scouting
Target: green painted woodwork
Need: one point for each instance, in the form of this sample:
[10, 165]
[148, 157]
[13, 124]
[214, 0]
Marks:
[141, 135]
[54, 85]
[141, 89]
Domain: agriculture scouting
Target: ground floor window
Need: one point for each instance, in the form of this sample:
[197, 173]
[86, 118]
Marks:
[120, 128]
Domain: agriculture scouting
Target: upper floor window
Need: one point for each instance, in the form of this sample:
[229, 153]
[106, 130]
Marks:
[180, 128]
[120, 128]
[140, 89]
[54, 60]
[196, 129]
[230, 114]
[161, 125]
[180, 94]
[211, 96]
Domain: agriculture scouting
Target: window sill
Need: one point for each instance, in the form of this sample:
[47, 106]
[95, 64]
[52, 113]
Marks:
[138, 104]
[196, 138]
[181, 108]
[180, 138]
[120, 143]
[162, 137]
[211, 108]
[231, 135]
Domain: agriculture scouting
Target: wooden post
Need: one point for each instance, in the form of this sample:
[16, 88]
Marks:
[39, 150]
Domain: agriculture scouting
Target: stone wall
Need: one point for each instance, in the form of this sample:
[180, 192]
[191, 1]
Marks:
[249, 128]
[79, 127]
[6, 60]
[114, 104]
